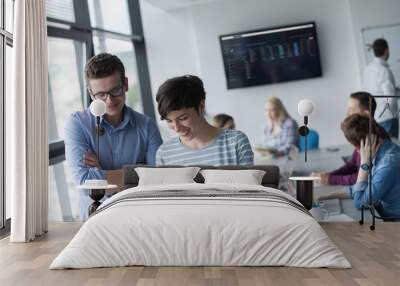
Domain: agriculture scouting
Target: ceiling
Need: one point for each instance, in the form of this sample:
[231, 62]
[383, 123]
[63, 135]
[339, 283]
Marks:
[177, 4]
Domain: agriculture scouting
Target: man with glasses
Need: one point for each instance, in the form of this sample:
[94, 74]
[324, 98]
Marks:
[126, 136]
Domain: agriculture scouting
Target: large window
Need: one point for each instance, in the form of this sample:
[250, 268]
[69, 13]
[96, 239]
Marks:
[9, 15]
[104, 12]
[77, 30]
[124, 49]
[66, 88]
[67, 94]
[6, 43]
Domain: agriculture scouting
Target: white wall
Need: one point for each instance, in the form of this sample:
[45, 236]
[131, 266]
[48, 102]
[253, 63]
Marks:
[195, 48]
[170, 46]
[170, 43]
[371, 13]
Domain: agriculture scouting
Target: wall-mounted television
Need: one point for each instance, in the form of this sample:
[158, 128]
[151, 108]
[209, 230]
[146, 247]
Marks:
[271, 55]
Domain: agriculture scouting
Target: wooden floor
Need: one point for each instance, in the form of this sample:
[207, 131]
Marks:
[374, 255]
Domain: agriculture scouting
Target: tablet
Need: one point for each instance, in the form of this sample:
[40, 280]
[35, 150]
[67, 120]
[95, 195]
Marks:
[265, 149]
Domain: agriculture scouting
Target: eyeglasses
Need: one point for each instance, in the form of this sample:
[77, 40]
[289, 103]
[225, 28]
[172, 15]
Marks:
[114, 92]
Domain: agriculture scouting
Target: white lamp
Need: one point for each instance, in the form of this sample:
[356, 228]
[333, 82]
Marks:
[305, 108]
[97, 187]
[98, 109]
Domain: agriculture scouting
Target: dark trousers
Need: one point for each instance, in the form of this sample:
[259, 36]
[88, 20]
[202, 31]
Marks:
[379, 209]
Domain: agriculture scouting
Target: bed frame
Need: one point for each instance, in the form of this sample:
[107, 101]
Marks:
[270, 179]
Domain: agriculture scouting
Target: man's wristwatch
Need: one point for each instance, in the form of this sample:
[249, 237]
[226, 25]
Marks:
[364, 167]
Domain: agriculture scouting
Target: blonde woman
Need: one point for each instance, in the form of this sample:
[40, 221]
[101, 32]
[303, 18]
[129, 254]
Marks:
[281, 131]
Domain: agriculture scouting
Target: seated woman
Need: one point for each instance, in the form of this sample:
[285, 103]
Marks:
[181, 102]
[385, 170]
[223, 120]
[281, 131]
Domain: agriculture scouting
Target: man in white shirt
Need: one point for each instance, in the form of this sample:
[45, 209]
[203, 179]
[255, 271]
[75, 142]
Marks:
[379, 80]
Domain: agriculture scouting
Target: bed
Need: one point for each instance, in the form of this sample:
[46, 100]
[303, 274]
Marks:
[201, 224]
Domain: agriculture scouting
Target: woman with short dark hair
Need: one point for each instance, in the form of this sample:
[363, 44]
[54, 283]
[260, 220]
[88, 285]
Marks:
[181, 102]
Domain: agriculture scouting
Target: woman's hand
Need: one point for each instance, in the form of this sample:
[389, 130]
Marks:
[365, 153]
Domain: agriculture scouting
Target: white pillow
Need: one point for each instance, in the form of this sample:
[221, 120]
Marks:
[165, 176]
[249, 177]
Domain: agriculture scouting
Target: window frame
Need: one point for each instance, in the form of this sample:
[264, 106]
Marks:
[6, 39]
[57, 147]
[80, 30]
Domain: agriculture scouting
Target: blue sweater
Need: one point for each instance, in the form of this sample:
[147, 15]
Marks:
[385, 181]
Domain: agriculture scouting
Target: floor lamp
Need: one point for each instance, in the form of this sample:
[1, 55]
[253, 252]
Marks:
[305, 108]
[98, 109]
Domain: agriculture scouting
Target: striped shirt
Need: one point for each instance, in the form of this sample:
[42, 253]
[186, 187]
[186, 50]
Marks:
[230, 147]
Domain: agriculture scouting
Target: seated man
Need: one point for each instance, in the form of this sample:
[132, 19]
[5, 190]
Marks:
[385, 170]
[126, 137]
[181, 102]
[347, 174]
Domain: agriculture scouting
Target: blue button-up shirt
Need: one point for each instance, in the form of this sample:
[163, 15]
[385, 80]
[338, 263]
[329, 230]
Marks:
[385, 181]
[134, 141]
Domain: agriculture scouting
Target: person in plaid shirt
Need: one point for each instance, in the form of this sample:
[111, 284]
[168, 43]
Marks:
[281, 131]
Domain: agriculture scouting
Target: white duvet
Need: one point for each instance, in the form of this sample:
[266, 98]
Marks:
[200, 231]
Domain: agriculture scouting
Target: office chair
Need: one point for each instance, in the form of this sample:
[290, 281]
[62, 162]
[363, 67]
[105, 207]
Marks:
[312, 141]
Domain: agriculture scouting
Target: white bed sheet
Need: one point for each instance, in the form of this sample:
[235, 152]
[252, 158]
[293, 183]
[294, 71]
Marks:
[200, 231]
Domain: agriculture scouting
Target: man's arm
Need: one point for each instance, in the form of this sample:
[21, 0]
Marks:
[76, 146]
[347, 174]
[345, 180]
[350, 167]
[342, 194]
[154, 141]
[114, 177]
[387, 84]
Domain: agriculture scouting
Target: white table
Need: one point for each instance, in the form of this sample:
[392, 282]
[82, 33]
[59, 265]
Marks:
[323, 159]
[337, 207]
[96, 193]
[304, 190]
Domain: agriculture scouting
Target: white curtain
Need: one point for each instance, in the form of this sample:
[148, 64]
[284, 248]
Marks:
[27, 127]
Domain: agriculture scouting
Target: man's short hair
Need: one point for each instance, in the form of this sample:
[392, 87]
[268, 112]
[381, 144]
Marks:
[103, 65]
[221, 119]
[356, 127]
[379, 46]
[363, 99]
[180, 92]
